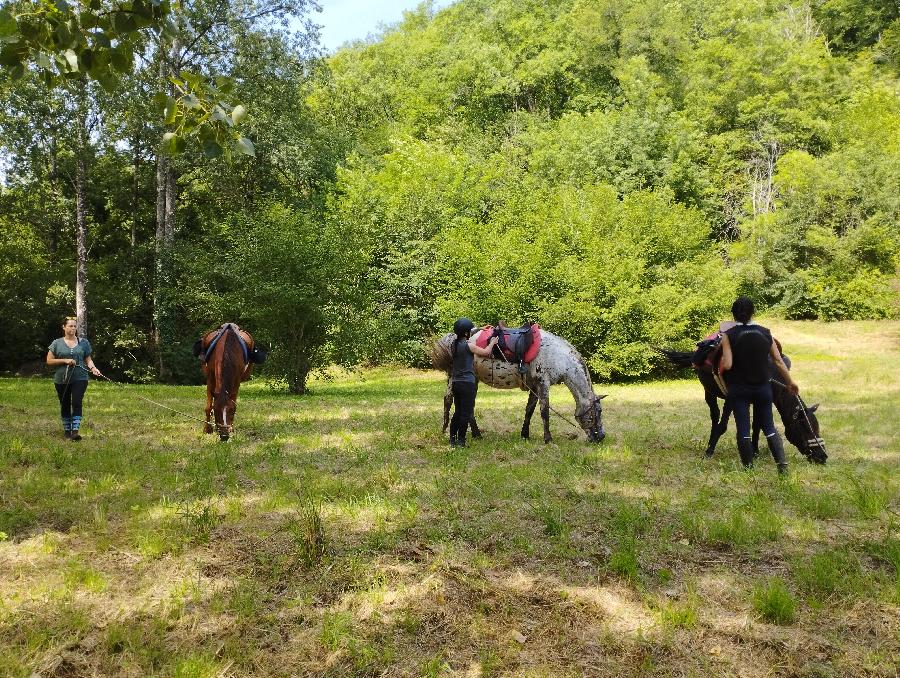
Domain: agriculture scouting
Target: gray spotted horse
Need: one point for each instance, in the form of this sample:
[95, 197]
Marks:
[556, 362]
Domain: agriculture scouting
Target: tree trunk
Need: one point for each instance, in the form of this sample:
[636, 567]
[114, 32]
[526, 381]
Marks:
[81, 278]
[166, 210]
[135, 188]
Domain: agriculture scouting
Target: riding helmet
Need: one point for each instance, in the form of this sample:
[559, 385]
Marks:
[462, 327]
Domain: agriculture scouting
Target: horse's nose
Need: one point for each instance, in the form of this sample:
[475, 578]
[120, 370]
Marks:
[223, 436]
[601, 434]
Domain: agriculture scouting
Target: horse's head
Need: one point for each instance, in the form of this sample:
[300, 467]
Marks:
[590, 418]
[802, 430]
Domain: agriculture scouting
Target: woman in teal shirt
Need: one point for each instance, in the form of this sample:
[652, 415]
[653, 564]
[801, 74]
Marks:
[72, 358]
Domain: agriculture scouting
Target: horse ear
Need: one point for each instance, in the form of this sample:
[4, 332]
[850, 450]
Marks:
[601, 397]
[813, 408]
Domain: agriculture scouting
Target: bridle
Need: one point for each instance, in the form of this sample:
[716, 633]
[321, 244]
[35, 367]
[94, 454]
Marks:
[813, 442]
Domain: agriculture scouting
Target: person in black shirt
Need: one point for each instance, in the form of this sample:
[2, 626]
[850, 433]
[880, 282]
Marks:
[748, 352]
[462, 378]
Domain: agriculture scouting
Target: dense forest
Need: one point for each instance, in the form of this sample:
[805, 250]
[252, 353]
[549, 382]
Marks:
[616, 170]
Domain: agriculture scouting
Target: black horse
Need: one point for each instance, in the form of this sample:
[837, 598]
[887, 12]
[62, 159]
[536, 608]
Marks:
[801, 427]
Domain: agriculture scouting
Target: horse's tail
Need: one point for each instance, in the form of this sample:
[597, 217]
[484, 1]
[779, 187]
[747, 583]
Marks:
[677, 358]
[226, 366]
[441, 355]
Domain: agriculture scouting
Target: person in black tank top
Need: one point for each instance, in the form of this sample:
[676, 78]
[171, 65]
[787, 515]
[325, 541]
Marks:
[462, 378]
[748, 352]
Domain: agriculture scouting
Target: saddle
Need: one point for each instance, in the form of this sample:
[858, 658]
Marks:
[708, 355]
[256, 355]
[519, 345]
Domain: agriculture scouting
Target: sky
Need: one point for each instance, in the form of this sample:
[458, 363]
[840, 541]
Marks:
[346, 20]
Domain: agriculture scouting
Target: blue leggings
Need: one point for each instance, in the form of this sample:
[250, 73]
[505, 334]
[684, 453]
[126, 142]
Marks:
[760, 396]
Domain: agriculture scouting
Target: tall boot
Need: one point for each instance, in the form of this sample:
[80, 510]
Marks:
[745, 448]
[776, 446]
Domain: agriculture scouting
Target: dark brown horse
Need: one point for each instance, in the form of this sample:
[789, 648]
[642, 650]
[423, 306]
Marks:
[801, 427]
[227, 356]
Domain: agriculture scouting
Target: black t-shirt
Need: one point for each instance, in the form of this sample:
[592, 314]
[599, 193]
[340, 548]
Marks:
[750, 346]
[462, 362]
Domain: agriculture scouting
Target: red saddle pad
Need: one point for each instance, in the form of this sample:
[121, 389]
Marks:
[487, 332]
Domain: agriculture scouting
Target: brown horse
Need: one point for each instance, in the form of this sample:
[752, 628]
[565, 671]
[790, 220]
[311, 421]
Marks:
[227, 356]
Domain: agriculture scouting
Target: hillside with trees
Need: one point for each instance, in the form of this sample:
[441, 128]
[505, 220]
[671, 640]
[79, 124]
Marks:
[617, 171]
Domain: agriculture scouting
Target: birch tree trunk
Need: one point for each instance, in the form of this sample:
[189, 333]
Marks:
[81, 226]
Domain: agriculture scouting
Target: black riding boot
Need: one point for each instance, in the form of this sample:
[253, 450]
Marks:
[745, 448]
[776, 446]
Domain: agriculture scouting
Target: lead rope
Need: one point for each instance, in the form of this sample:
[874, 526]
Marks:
[152, 402]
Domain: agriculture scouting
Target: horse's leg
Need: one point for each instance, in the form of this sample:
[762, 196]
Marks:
[529, 410]
[448, 402]
[714, 413]
[476, 432]
[545, 411]
[208, 428]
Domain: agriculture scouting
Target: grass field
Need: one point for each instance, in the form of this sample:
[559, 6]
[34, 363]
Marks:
[338, 534]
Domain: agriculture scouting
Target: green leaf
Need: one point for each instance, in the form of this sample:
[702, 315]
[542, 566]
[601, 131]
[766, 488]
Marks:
[220, 115]
[173, 144]
[211, 148]
[171, 110]
[122, 58]
[107, 80]
[190, 101]
[12, 55]
[142, 9]
[238, 113]
[194, 79]
[86, 60]
[42, 60]
[245, 146]
[63, 35]
[71, 59]
[124, 22]
[7, 23]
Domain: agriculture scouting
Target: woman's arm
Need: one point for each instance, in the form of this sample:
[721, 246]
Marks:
[727, 356]
[53, 360]
[483, 352]
[91, 366]
[782, 368]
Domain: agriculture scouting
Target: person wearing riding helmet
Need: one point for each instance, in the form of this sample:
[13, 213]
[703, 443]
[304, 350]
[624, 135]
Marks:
[71, 355]
[748, 350]
[462, 378]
